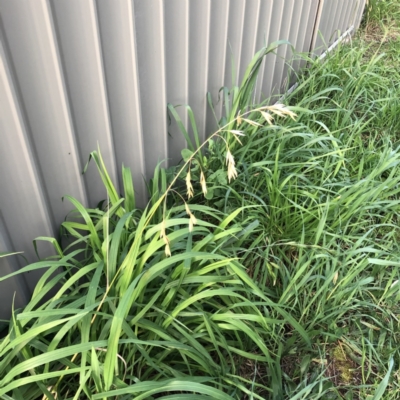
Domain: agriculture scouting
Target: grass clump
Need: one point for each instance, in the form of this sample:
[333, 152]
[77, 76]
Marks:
[381, 30]
[127, 320]
[148, 303]
[266, 265]
[323, 193]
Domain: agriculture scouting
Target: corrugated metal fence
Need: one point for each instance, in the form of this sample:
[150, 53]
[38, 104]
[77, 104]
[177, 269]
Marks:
[77, 73]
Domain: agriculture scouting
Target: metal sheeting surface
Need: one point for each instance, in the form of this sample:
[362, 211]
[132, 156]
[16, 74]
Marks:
[81, 73]
[336, 17]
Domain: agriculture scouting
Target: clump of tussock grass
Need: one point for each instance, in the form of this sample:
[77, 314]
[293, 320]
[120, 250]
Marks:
[147, 303]
[321, 195]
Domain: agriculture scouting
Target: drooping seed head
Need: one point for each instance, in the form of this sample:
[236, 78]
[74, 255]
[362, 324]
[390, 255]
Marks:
[203, 183]
[230, 161]
[189, 186]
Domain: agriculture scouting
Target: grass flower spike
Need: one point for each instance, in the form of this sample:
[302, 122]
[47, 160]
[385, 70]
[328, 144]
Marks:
[268, 117]
[163, 235]
[232, 173]
[192, 218]
[192, 222]
[189, 186]
[203, 183]
[282, 111]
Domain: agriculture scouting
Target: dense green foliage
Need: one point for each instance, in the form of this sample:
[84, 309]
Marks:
[282, 282]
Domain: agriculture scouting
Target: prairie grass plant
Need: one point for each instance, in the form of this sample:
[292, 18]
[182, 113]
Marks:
[265, 266]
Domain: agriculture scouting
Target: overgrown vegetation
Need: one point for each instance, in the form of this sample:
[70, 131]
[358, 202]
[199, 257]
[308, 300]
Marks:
[266, 266]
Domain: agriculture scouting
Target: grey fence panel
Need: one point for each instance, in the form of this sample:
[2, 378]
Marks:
[250, 38]
[275, 33]
[323, 34]
[236, 27]
[336, 17]
[176, 17]
[24, 212]
[263, 31]
[345, 16]
[218, 39]
[81, 73]
[117, 31]
[332, 30]
[34, 59]
[199, 43]
[9, 265]
[305, 34]
[300, 36]
[289, 13]
[150, 42]
[77, 30]
[359, 13]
